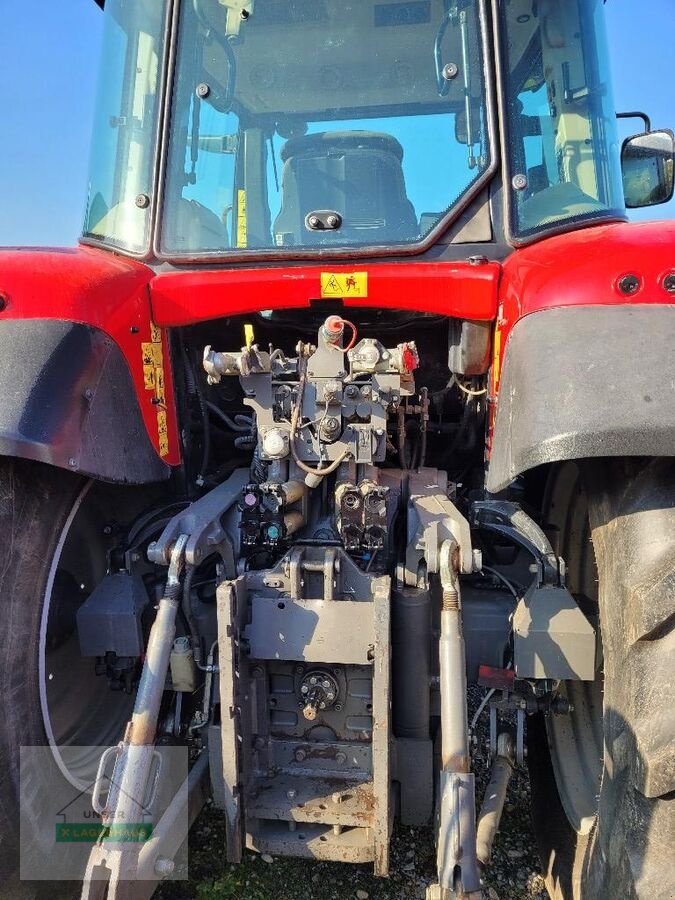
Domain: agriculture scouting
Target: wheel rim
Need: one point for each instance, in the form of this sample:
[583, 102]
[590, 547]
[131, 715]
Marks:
[576, 748]
[79, 711]
[576, 739]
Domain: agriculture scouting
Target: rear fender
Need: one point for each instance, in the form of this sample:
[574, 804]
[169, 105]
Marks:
[86, 379]
[581, 382]
[68, 399]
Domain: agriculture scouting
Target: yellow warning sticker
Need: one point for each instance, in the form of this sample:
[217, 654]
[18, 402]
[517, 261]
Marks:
[149, 378]
[162, 432]
[344, 284]
[153, 380]
[159, 384]
[242, 222]
[152, 354]
[163, 445]
[496, 360]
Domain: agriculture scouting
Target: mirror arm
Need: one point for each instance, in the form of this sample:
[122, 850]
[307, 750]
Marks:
[637, 115]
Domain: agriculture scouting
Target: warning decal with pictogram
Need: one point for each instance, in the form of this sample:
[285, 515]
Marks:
[344, 284]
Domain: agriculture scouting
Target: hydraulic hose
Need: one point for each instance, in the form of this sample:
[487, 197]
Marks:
[189, 614]
[244, 425]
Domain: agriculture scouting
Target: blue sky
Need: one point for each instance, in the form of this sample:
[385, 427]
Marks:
[48, 65]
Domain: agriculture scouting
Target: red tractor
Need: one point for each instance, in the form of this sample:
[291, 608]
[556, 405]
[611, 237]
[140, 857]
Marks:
[359, 388]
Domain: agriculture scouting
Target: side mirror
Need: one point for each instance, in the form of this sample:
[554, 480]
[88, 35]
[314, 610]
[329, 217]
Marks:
[648, 166]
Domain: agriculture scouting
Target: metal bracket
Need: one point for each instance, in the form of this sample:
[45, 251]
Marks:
[495, 705]
[433, 519]
[201, 522]
[512, 522]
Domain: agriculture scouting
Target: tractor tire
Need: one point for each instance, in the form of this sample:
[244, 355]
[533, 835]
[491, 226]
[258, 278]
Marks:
[603, 776]
[52, 546]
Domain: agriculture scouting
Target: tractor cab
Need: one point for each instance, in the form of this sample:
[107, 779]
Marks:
[289, 128]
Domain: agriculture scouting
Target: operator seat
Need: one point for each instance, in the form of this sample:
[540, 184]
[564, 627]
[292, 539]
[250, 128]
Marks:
[357, 174]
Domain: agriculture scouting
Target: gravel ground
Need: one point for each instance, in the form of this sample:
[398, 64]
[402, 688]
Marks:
[514, 873]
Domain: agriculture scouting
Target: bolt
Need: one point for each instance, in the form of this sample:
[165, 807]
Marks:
[325, 683]
[333, 221]
[304, 689]
[331, 426]
[72, 462]
[203, 90]
[669, 283]
[89, 393]
[312, 680]
[450, 71]
[330, 695]
[629, 284]
[291, 794]
[519, 182]
[338, 707]
[340, 757]
[142, 201]
[300, 755]
[314, 222]
[164, 866]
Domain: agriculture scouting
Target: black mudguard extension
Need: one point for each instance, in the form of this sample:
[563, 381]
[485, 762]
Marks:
[585, 382]
[67, 398]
